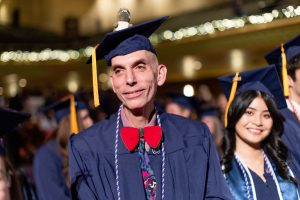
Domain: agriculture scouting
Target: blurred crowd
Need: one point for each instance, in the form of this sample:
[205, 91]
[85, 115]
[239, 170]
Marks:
[42, 127]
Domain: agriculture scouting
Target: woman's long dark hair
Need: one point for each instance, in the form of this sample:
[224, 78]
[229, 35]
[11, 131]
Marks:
[272, 145]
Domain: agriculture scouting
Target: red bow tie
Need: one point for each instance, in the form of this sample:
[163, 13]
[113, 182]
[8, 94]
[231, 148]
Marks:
[131, 136]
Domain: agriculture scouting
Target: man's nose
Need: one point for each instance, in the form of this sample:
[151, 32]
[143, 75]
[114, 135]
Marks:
[130, 77]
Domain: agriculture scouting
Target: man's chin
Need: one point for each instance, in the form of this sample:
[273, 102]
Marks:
[136, 106]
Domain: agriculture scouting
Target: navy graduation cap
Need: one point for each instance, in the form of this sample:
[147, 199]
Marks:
[10, 119]
[183, 101]
[281, 56]
[124, 40]
[209, 111]
[62, 108]
[263, 79]
[292, 48]
[127, 40]
[65, 107]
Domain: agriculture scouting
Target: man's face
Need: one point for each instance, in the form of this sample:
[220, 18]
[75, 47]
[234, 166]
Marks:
[135, 77]
[175, 109]
[295, 84]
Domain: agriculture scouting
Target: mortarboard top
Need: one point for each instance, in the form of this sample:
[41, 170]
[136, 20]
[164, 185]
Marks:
[10, 119]
[208, 111]
[182, 101]
[128, 40]
[292, 48]
[62, 108]
[263, 79]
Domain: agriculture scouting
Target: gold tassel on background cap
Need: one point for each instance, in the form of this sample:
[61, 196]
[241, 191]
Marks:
[284, 75]
[231, 96]
[73, 116]
[95, 78]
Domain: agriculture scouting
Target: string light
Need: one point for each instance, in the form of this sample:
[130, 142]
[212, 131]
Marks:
[168, 35]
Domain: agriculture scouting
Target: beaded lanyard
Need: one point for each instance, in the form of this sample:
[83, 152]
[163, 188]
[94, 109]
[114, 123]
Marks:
[246, 171]
[116, 157]
[243, 168]
[294, 109]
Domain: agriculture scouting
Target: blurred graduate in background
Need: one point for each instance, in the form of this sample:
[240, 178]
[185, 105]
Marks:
[211, 117]
[50, 164]
[10, 188]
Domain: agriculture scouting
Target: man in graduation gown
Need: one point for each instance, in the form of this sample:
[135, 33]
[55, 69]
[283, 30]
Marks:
[287, 61]
[139, 153]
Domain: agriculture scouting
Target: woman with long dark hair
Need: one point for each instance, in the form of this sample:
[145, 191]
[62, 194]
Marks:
[256, 163]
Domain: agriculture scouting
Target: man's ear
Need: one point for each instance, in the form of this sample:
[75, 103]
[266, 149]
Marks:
[290, 81]
[161, 74]
[111, 82]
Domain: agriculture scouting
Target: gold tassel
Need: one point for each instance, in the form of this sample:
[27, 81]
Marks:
[73, 116]
[284, 75]
[231, 96]
[95, 78]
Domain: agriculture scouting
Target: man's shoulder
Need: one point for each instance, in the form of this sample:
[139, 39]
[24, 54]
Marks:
[95, 136]
[183, 133]
[191, 132]
[184, 125]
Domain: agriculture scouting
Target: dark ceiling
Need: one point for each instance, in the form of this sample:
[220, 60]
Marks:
[213, 51]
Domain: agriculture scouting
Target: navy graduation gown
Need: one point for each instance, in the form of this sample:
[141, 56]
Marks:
[192, 168]
[289, 115]
[264, 190]
[291, 135]
[48, 175]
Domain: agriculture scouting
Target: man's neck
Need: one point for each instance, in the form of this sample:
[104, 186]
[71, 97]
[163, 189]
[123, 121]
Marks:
[139, 118]
[294, 97]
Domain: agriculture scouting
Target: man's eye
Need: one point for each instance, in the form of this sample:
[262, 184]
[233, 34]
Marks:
[117, 70]
[140, 67]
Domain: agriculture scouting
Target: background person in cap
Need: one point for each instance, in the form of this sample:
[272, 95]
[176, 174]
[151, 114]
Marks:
[139, 153]
[211, 117]
[287, 61]
[180, 105]
[50, 165]
[256, 163]
[9, 184]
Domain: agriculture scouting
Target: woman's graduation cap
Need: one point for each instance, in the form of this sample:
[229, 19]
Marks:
[67, 106]
[123, 41]
[263, 79]
[10, 119]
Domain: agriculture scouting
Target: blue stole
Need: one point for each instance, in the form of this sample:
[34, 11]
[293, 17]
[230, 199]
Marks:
[242, 187]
